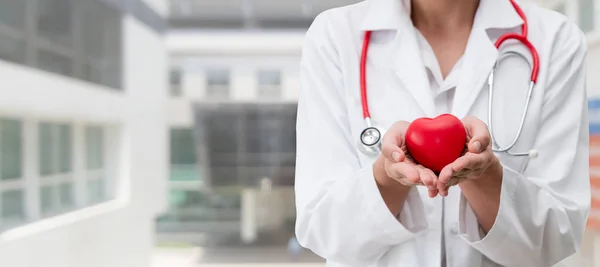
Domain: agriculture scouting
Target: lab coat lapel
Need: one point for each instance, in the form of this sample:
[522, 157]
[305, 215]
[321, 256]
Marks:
[408, 66]
[478, 63]
[404, 56]
[481, 53]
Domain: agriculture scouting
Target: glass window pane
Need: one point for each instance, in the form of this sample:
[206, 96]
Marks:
[64, 148]
[10, 142]
[53, 62]
[66, 195]
[94, 148]
[101, 43]
[183, 149]
[95, 191]
[54, 21]
[188, 172]
[12, 13]
[11, 49]
[269, 83]
[217, 77]
[175, 82]
[47, 199]
[13, 207]
[46, 147]
[586, 15]
[269, 77]
[217, 83]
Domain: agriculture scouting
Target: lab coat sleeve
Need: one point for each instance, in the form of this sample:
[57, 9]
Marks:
[341, 215]
[543, 211]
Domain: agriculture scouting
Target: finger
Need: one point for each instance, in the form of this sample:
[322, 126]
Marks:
[427, 177]
[479, 134]
[392, 152]
[433, 193]
[443, 179]
[393, 140]
[404, 171]
[468, 161]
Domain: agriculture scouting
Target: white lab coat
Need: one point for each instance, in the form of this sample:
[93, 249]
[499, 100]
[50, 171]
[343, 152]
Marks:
[544, 202]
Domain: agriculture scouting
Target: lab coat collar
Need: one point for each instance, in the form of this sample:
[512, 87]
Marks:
[481, 54]
[395, 15]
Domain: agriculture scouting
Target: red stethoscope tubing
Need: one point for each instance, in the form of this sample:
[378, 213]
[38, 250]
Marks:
[522, 38]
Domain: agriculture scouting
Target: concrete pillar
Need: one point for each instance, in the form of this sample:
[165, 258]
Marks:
[193, 85]
[243, 84]
[249, 223]
[290, 84]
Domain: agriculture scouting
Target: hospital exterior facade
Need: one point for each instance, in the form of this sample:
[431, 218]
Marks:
[81, 100]
[198, 60]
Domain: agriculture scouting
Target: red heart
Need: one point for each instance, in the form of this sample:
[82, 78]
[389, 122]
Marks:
[435, 143]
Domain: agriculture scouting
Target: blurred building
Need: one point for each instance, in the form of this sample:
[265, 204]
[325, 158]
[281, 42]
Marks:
[83, 138]
[234, 87]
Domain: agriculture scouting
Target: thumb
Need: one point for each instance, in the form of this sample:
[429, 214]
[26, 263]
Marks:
[479, 134]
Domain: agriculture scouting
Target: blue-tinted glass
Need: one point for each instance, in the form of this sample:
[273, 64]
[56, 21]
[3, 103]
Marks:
[13, 207]
[11, 145]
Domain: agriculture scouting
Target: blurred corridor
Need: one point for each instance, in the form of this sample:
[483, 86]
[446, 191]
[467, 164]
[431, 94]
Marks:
[138, 133]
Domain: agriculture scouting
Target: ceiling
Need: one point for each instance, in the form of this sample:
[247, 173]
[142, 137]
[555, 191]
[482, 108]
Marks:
[280, 14]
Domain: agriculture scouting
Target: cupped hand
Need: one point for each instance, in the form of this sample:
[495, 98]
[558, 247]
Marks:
[477, 159]
[400, 166]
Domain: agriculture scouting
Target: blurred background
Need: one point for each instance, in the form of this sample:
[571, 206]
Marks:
[137, 133]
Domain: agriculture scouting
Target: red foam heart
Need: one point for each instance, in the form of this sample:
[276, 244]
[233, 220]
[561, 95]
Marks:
[435, 143]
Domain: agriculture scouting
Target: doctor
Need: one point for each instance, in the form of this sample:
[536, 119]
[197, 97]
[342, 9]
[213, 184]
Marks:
[425, 58]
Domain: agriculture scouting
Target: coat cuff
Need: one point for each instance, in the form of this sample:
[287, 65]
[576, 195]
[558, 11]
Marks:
[412, 218]
[494, 242]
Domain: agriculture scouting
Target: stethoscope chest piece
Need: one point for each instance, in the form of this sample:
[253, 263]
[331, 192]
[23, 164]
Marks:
[370, 140]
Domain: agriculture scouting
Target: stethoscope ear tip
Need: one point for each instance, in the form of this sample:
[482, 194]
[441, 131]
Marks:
[533, 154]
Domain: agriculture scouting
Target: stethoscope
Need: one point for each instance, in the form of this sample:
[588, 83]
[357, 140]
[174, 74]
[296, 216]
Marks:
[371, 136]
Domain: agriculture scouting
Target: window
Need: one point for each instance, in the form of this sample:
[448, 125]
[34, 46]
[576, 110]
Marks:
[12, 13]
[11, 144]
[54, 21]
[12, 30]
[95, 166]
[71, 163]
[55, 161]
[269, 83]
[586, 15]
[101, 38]
[175, 82]
[13, 210]
[217, 83]
[183, 155]
[12, 207]
[75, 38]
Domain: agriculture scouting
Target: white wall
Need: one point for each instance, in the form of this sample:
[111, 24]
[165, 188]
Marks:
[119, 233]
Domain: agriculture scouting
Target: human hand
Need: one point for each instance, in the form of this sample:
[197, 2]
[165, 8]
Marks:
[398, 163]
[477, 159]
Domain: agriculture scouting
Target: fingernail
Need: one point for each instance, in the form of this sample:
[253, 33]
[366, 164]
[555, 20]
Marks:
[477, 146]
[396, 156]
